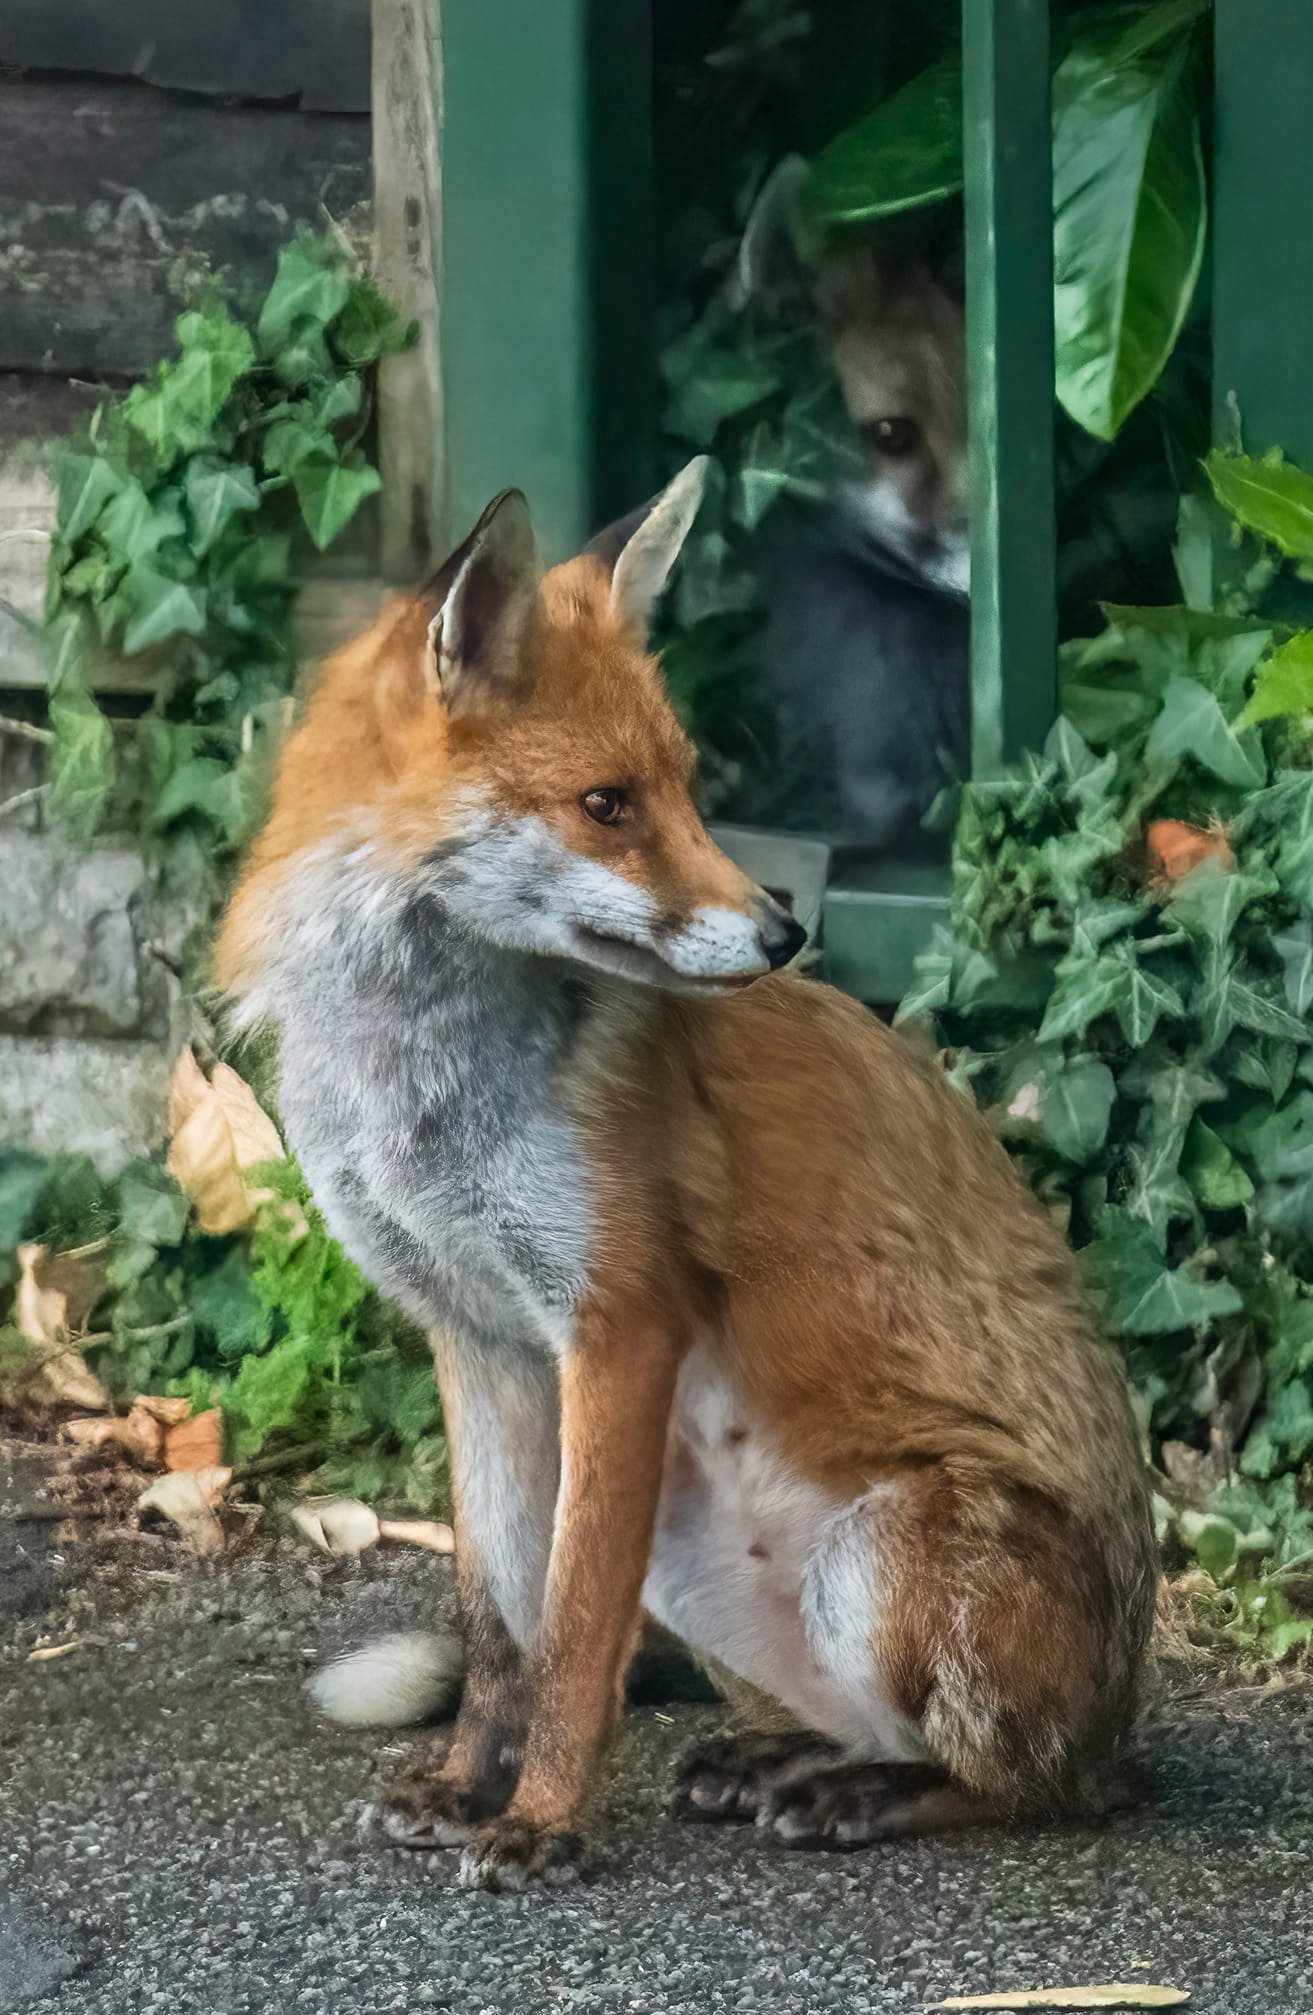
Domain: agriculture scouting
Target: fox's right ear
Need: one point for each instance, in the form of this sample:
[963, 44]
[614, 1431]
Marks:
[488, 588]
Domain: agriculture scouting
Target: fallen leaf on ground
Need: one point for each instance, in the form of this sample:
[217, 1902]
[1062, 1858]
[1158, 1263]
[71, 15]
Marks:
[167, 1411]
[1116, 1995]
[196, 1443]
[219, 1131]
[55, 1295]
[338, 1525]
[187, 1498]
[138, 1433]
[1174, 848]
[429, 1532]
[44, 1652]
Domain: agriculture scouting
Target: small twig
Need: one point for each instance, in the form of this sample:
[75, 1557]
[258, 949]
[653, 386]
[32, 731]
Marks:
[287, 1458]
[145, 1335]
[9, 726]
[23, 798]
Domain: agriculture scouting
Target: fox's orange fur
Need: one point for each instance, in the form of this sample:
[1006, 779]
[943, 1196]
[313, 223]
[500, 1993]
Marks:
[784, 1194]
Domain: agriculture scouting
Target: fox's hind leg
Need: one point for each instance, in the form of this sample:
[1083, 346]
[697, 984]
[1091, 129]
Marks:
[501, 1410]
[1010, 1638]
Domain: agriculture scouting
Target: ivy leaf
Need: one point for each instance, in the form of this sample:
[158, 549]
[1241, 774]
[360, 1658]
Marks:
[1074, 1108]
[175, 415]
[1212, 1171]
[1283, 1434]
[1129, 221]
[136, 525]
[204, 785]
[1142, 1295]
[1142, 1001]
[81, 759]
[86, 484]
[1294, 947]
[710, 383]
[215, 492]
[905, 154]
[1284, 686]
[330, 492]
[307, 287]
[151, 1205]
[161, 607]
[1086, 989]
[369, 327]
[1207, 902]
[1272, 498]
[1191, 723]
[293, 441]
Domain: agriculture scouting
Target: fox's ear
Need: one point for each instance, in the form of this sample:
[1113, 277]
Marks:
[488, 589]
[770, 272]
[640, 550]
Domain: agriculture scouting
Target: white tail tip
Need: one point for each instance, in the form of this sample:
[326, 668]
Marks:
[392, 1682]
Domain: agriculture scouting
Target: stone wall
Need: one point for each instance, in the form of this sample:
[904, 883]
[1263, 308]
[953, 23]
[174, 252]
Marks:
[90, 1011]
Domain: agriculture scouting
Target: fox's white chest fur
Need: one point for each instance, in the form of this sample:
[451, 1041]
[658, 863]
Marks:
[421, 1089]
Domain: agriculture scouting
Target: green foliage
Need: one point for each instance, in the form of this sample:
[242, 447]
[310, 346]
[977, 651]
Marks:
[178, 524]
[278, 1328]
[1129, 211]
[1144, 1044]
[905, 154]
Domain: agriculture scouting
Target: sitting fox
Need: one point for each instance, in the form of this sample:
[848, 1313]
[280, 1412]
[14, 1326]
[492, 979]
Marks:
[741, 1316]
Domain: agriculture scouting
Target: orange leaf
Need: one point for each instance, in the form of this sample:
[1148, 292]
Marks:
[1174, 848]
[219, 1132]
[195, 1443]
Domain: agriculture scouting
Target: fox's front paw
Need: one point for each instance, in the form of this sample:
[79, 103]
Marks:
[513, 1854]
[435, 1813]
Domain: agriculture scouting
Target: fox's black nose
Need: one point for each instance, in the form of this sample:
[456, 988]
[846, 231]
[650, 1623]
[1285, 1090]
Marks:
[782, 936]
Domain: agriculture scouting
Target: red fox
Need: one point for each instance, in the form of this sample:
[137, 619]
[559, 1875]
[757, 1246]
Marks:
[741, 1316]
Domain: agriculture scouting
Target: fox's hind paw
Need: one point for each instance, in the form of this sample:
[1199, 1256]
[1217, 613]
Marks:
[858, 1804]
[514, 1854]
[731, 1776]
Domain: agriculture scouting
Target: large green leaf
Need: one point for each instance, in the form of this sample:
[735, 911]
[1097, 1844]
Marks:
[1130, 208]
[1272, 498]
[1142, 1295]
[161, 607]
[330, 492]
[216, 491]
[176, 413]
[1212, 1171]
[905, 154]
[1283, 688]
[1074, 1107]
[81, 759]
[308, 287]
[86, 484]
[1191, 723]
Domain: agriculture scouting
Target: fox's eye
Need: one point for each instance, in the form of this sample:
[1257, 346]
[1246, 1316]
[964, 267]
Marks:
[605, 805]
[895, 436]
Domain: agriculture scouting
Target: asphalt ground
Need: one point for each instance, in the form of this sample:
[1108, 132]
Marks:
[179, 1832]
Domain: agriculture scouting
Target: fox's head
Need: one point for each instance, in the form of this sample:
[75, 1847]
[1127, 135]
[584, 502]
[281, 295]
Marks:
[516, 758]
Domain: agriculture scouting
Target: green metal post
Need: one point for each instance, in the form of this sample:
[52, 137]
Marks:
[1263, 224]
[544, 298]
[1009, 223]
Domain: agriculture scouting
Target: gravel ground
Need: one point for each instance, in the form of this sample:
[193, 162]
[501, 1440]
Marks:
[178, 1833]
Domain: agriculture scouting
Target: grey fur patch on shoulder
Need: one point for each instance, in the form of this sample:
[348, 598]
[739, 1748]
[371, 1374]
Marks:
[392, 1682]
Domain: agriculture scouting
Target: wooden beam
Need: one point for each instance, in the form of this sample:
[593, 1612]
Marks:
[1009, 225]
[407, 85]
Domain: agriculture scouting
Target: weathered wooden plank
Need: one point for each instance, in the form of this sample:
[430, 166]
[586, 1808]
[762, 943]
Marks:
[1009, 202]
[36, 408]
[311, 53]
[114, 199]
[407, 259]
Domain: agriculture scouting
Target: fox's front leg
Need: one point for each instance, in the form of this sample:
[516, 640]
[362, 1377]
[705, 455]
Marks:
[500, 1408]
[616, 1391]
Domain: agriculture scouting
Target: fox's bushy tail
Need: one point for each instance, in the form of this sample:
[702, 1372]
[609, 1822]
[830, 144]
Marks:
[393, 1682]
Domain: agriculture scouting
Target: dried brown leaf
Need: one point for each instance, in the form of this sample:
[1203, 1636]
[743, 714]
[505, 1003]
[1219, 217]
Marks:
[196, 1443]
[187, 1498]
[338, 1524]
[219, 1132]
[1118, 1994]
[167, 1411]
[137, 1433]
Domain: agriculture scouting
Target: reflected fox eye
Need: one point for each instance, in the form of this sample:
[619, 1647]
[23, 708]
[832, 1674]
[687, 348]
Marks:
[605, 805]
[895, 435]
